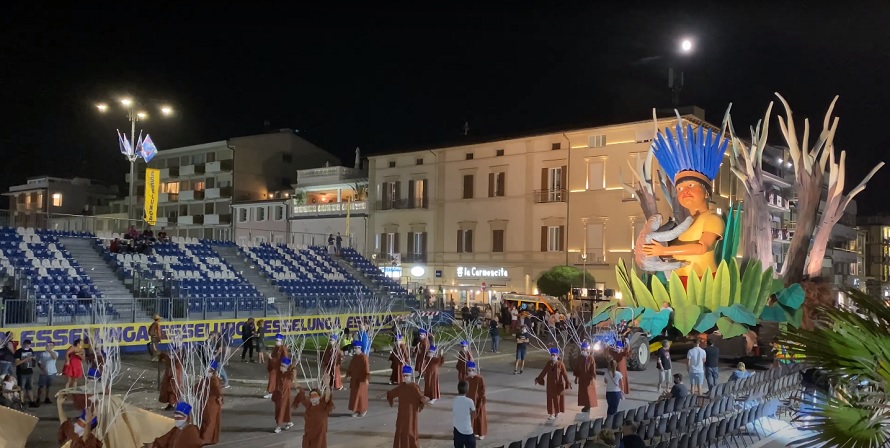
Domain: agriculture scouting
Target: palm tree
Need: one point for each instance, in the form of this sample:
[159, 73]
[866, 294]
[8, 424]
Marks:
[851, 345]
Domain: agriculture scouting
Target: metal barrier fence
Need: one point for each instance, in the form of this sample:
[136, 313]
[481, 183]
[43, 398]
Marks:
[43, 312]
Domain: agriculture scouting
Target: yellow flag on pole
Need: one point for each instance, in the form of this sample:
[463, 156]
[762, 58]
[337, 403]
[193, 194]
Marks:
[348, 208]
[152, 188]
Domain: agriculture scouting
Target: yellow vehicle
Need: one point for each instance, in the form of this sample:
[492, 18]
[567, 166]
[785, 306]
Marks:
[533, 303]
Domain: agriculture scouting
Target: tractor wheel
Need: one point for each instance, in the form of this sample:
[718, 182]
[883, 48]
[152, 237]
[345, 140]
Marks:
[638, 357]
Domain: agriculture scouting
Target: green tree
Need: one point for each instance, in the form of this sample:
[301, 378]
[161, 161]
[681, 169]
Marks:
[852, 346]
[559, 280]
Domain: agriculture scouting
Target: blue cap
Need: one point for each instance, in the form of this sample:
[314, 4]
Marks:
[407, 370]
[94, 373]
[432, 348]
[471, 365]
[183, 408]
[357, 344]
[83, 418]
[422, 331]
[464, 344]
[285, 361]
[585, 346]
[334, 337]
[279, 336]
[399, 336]
[214, 365]
[554, 351]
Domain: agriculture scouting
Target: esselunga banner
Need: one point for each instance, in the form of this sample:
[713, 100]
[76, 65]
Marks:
[134, 334]
[152, 187]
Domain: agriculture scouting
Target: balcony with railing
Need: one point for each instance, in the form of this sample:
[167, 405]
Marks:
[189, 220]
[330, 209]
[217, 219]
[168, 197]
[219, 166]
[401, 204]
[191, 170]
[167, 173]
[591, 257]
[550, 195]
[191, 195]
[218, 193]
[329, 175]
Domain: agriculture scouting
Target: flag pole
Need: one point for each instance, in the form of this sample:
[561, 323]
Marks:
[348, 209]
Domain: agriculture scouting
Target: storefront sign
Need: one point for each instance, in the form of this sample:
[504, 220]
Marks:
[474, 272]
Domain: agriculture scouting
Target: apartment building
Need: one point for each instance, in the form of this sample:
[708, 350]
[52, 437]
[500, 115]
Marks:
[42, 200]
[325, 201]
[199, 183]
[876, 230]
[492, 216]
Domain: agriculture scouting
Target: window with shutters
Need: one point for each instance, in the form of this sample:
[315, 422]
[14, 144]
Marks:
[594, 243]
[555, 146]
[497, 240]
[595, 175]
[417, 246]
[418, 197]
[553, 181]
[468, 186]
[498, 152]
[596, 141]
[552, 238]
[390, 194]
[465, 241]
[497, 184]
[260, 214]
[389, 243]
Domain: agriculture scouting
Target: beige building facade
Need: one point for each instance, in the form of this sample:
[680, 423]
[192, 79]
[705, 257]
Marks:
[484, 218]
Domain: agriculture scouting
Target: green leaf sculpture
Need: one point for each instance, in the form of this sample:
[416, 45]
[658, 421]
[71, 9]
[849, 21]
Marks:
[601, 314]
[792, 296]
[623, 277]
[659, 294]
[720, 289]
[751, 281]
[735, 285]
[730, 329]
[628, 314]
[774, 313]
[706, 321]
[686, 317]
[642, 294]
[739, 314]
[794, 317]
[679, 296]
[654, 322]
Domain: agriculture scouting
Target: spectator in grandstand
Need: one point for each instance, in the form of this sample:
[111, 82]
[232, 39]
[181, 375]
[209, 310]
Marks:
[73, 368]
[248, 330]
[605, 439]
[24, 369]
[46, 361]
[115, 246]
[339, 241]
[162, 235]
[260, 338]
[7, 358]
[132, 233]
[679, 389]
[154, 337]
[740, 373]
[331, 243]
[630, 438]
[712, 365]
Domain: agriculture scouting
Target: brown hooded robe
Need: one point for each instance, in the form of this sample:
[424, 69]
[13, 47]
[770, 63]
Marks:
[463, 357]
[411, 402]
[331, 360]
[359, 374]
[281, 396]
[476, 392]
[274, 365]
[431, 376]
[187, 437]
[210, 419]
[396, 364]
[585, 373]
[557, 381]
[315, 434]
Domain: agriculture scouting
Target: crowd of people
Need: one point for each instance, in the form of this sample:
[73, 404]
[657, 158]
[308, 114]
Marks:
[135, 242]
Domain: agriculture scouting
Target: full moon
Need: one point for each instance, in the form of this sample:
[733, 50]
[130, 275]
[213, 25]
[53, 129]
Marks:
[686, 45]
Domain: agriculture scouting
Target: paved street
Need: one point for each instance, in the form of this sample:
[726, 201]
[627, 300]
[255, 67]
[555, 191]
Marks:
[516, 407]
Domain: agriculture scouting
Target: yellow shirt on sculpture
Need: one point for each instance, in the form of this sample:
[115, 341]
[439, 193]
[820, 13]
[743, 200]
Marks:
[708, 221]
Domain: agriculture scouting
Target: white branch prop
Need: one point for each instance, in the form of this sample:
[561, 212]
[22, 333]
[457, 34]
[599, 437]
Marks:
[369, 310]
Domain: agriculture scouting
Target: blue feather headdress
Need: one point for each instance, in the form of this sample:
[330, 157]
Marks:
[680, 152]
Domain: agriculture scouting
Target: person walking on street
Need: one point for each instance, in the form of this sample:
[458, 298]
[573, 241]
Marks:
[663, 363]
[522, 339]
[463, 412]
[613, 387]
[696, 367]
[712, 365]
[154, 337]
[247, 332]
[494, 331]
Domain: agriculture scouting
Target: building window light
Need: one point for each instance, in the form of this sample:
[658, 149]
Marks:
[57, 199]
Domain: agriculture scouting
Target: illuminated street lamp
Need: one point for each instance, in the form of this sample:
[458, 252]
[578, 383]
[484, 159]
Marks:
[133, 115]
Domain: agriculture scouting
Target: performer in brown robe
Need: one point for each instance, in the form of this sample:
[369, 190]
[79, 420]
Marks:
[331, 360]
[318, 409]
[168, 393]
[557, 381]
[359, 374]
[476, 392]
[77, 432]
[281, 396]
[620, 357]
[430, 366]
[584, 371]
[420, 351]
[463, 357]
[184, 434]
[274, 365]
[411, 402]
[210, 418]
[398, 358]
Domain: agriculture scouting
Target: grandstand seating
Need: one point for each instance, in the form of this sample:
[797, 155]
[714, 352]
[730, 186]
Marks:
[195, 271]
[372, 272]
[306, 274]
[53, 278]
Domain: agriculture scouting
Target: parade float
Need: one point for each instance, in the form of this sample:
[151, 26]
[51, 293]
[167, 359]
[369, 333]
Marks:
[705, 273]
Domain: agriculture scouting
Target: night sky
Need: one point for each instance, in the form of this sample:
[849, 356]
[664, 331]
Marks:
[385, 77]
